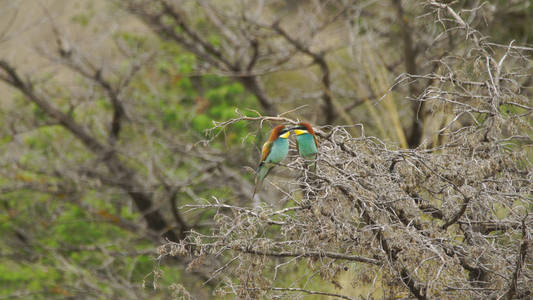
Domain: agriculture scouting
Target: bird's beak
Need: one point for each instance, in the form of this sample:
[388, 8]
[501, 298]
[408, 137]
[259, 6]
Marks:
[299, 131]
[285, 135]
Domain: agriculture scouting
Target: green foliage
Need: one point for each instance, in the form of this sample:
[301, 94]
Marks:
[132, 40]
[508, 109]
[190, 101]
[81, 19]
[74, 228]
[31, 277]
[84, 18]
[76, 235]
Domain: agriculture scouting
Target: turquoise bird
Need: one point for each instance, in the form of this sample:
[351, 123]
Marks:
[306, 142]
[274, 151]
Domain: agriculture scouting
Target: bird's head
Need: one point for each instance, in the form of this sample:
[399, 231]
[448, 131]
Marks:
[303, 128]
[279, 132]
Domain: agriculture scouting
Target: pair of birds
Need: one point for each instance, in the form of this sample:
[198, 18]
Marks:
[277, 147]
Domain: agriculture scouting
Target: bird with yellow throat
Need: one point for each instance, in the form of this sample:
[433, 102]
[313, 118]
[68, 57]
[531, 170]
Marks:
[306, 142]
[274, 151]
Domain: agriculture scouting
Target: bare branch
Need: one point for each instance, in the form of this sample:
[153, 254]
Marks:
[319, 59]
[312, 292]
[125, 176]
[521, 258]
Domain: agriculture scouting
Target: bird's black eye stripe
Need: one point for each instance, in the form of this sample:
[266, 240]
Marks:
[298, 127]
[285, 131]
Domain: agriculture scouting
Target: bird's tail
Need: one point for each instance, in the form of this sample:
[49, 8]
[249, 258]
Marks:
[262, 172]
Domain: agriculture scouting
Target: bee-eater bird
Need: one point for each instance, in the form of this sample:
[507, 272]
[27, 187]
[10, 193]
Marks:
[306, 141]
[274, 151]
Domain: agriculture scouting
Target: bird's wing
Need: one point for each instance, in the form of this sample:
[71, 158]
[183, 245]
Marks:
[266, 150]
[316, 142]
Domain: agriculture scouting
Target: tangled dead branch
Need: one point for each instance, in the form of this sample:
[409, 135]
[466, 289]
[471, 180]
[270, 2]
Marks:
[453, 220]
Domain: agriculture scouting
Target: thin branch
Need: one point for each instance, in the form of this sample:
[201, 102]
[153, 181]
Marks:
[242, 117]
[196, 39]
[125, 176]
[312, 292]
[196, 44]
[314, 254]
[319, 59]
[414, 286]
[458, 214]
[520, 260]
[231, 207]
